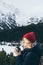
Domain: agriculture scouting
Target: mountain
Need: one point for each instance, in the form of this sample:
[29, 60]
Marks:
[7, 17]
[11, 17]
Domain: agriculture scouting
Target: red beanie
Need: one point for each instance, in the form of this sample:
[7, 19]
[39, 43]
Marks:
[30, 36]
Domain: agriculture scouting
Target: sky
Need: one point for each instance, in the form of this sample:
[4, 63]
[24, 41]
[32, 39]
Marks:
[29, 8]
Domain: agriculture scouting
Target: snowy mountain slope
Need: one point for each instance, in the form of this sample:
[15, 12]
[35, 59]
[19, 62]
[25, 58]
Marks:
[7, 21]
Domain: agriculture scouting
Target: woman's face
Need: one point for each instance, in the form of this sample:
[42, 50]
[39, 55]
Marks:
[26, 43]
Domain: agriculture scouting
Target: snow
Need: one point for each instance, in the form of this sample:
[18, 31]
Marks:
[9, 49]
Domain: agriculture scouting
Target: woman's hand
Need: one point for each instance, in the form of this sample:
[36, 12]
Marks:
[16, 52]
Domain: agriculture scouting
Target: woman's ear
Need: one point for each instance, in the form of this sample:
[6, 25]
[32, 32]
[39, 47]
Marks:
[33, 44]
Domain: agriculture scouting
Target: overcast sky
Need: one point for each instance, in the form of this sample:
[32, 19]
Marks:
[28, 7]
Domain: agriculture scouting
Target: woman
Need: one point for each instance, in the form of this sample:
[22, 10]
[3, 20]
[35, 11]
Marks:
[32, 52]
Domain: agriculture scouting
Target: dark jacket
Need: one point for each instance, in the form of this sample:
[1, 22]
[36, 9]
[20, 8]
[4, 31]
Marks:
[29, 56]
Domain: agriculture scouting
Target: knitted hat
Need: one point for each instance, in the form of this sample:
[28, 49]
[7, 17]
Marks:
[30, 36]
